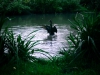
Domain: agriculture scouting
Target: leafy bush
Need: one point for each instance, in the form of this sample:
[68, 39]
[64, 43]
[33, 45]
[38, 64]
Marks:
[52, 6]
[18, 7]
[91, 4]
[14, 7]
[44, 6]
[39, 6]
[86, 40]
[70, 5]
[16, 48]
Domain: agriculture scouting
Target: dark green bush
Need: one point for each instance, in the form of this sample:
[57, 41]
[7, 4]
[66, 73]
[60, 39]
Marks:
[18, 7]
[85, 41]
[45, 6]
[91, 4]
[39, 6]
[13, 7]
[15, 48]
[52, 6]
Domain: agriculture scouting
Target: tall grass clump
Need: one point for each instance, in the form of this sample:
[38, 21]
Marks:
[16, 49]
[85, 42]
[83, 52]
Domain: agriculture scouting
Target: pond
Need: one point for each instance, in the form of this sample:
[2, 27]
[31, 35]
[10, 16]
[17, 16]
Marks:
[25, 24]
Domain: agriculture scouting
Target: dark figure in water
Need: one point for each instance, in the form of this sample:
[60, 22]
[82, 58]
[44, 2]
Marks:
[50, 29]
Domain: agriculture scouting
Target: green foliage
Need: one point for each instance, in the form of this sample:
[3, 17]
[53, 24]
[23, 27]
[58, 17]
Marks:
[19, 6]
[91, 4]
[13, 7]
[85, 41]
[3, 5]
[16, 48]
[39, 6]
[52, 6]
[42, 66]
[70, 5]
[2, 21]
[45, 6]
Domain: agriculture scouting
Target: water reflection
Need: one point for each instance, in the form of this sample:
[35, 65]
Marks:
[49, 39]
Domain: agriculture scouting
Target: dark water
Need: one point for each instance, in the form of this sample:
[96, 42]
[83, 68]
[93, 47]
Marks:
[26, 24]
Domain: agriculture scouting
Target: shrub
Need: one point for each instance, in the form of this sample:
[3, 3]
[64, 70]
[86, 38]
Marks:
[91, 4]
[14, 7]
[54, 6]
[85, 41]
[16, 48]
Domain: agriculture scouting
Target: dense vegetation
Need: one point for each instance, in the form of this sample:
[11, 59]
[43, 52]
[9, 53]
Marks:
[82, 58]
[47, 6]
[83, 55]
